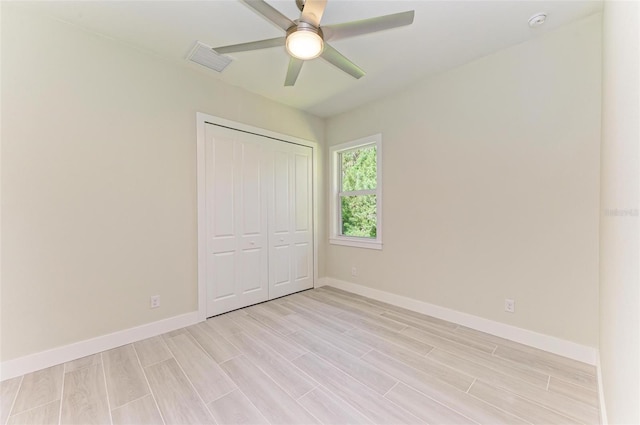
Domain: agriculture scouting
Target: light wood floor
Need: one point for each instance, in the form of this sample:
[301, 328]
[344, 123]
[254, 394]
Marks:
[320, 356]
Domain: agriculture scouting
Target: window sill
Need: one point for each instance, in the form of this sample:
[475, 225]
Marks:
[356, 243]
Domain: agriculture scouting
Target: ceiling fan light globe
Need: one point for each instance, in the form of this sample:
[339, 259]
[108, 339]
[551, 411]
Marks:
[304, 44]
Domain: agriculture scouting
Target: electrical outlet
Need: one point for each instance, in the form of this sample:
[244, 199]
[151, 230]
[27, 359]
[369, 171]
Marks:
[509, 305]
[155, 301]
[354, 271]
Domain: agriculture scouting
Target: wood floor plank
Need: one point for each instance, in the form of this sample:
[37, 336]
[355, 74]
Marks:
[551, 364]
[557, 402]
[271, 400]
[8, 391]
[84, 399]
[392, 308]
[204, 373]
[176, 398]
[82, 362]
[225, 324]
[454, 377]
[439, 342]
[287, 348]
[576, 392]
[139, 412]
[276, 309]
[369, 403]
[394, 337]
[367, 314]
[280, 324]
[381, 344]
[152, 350]
[314, 305]
[478, 370]
[38, 388]
[424, 407]
[330, 409]
[236, 409]
[289, 377]
[486, 347]
[498, 364]
[442, 392]
[531, 351]
[519, 406]
[125, 378]
[347, 302]
[343, 306]
[174, 333]
[47, 414]
[213, 343]
[327, 322]
[339, 340]
[349, 364]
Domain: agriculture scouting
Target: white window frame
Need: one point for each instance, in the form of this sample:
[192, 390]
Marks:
[336, 238]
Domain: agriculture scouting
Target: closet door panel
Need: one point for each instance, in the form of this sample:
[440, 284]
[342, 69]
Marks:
[252, 272]
[303, 238]
[222, 269]
[281, 265]
[221, 181]
[303, 266]
[302, 192]
[251, 188]
[237, 259]
[291, 270]
[281, 216]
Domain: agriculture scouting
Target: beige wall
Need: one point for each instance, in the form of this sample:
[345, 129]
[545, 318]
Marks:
[491, 181]
[619, 234]
[99, 181]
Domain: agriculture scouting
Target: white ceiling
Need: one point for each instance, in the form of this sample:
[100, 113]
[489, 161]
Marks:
[444, 34]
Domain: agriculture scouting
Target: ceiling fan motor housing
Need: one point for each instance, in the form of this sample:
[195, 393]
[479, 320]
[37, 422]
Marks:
[304, 26]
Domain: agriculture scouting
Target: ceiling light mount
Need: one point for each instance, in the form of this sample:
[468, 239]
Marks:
[537, 20]
[304, 41]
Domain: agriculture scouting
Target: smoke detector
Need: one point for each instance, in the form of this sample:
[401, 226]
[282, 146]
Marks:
[537, 20]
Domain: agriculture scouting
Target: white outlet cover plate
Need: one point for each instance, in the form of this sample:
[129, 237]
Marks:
[509, 305]
[155, 301]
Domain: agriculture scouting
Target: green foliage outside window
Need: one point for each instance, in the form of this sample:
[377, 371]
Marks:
[359, 172]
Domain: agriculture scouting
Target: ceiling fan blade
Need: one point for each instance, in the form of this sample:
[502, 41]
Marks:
[264, 9]
[366, 26]
[312, 11]
[253, 45]
[295, 65]
[334, 57]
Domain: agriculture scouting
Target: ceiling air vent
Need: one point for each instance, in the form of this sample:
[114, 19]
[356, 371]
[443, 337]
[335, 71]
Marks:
[204, 55]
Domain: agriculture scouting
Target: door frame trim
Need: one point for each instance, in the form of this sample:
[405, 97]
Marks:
[202, 120]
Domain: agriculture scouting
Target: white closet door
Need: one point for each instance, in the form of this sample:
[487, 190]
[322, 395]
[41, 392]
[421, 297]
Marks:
[236, 209]
[290, 220]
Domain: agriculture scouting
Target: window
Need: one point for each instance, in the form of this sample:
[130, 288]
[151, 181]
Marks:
[356, 195]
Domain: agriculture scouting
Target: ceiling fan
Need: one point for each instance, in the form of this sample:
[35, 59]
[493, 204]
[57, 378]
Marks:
[305, 39]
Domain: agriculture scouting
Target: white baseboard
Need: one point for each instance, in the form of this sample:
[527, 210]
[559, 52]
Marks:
[603, 407]
[322, 281]
[32, 362]
[544, 342]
